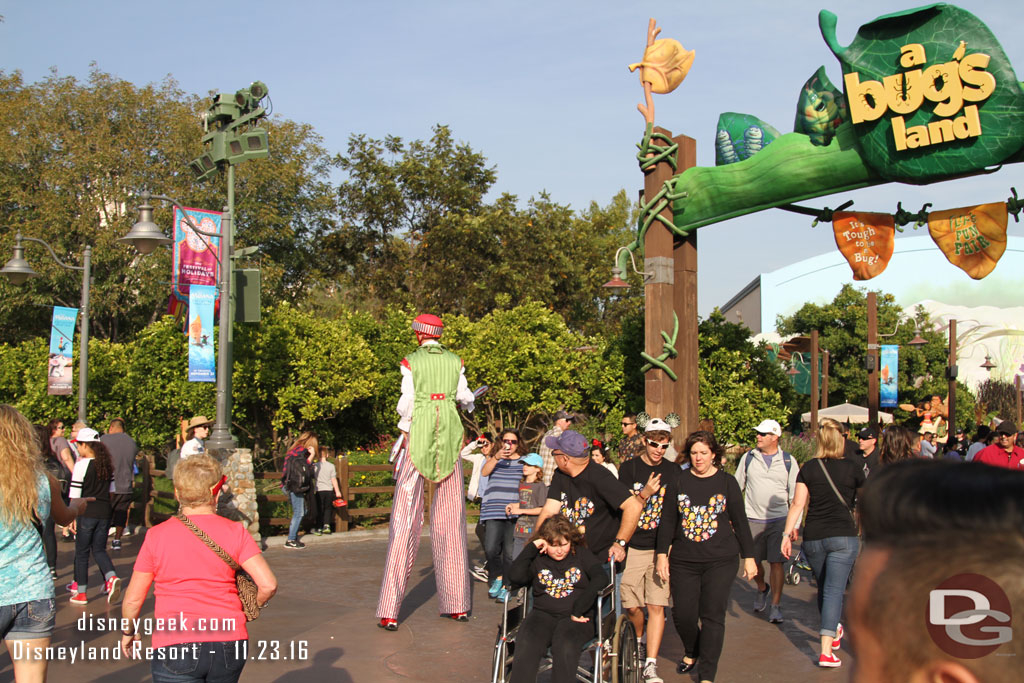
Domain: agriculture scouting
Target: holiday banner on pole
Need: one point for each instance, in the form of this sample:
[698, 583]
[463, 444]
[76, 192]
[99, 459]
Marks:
[887, 389]
[200, 333]
[62, 335]
[195, 255]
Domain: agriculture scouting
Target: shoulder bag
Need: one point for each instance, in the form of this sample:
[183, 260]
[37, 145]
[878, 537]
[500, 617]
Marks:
[831, 483]
[246, 586]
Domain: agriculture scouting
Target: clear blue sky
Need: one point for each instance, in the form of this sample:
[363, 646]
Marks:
[541, 88]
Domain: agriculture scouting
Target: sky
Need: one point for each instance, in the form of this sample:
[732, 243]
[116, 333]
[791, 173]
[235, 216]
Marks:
[542, 89]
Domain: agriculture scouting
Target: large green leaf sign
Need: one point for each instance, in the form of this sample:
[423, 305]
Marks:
[931, 93]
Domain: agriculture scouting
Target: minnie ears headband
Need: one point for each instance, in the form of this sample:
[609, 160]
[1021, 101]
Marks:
[655, 424]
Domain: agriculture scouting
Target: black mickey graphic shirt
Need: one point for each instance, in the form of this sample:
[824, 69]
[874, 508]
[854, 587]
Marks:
[566, 587]
[703, 519]
[591, 501]
[634, 474]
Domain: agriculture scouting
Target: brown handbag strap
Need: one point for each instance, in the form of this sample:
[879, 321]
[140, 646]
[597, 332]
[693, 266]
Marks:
[831, 483]
[211, 544]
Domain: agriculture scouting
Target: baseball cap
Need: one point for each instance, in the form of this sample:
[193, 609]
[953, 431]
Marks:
[569, 442]
[1005, 427]
[769, 427]
[88, 434]
[867, 433]
[563, 415]
[533, 459]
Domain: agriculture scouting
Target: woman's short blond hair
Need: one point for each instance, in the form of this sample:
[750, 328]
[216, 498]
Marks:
[831, 442]
[194, 479]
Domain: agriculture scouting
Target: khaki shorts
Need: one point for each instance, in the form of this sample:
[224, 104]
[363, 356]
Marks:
[641, 585]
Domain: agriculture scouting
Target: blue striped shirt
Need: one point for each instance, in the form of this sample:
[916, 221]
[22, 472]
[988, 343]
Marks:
[502, 489]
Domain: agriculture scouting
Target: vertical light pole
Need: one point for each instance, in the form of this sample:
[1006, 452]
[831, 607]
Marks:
[17, 271]
[146, 236]
[872, 360]
[951, 373]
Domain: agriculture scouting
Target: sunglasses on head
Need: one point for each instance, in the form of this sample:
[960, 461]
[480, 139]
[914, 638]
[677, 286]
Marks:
[655, 444]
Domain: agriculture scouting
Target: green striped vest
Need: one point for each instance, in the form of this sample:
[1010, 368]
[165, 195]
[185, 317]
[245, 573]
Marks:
[436, 432]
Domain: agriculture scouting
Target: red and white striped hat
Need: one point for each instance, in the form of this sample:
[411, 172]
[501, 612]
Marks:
[427, 324]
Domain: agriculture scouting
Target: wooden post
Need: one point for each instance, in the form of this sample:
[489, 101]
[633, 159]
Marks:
[824, 382]
[951, 404]
[872, 360]
[814, 382]
[671, 288]
[344, 518]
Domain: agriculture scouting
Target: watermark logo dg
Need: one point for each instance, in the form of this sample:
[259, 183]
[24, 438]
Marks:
[968, 616]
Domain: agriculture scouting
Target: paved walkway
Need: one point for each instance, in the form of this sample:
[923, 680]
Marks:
[322, 624]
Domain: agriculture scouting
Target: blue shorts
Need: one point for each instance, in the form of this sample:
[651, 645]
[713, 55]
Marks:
[28, 620]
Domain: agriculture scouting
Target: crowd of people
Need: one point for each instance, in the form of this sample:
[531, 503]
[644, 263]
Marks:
[670, 529]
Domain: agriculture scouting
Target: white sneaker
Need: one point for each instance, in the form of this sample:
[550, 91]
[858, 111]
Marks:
[651, 673]
[110, 531]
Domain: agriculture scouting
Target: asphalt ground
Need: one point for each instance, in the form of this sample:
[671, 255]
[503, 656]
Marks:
[321, 625]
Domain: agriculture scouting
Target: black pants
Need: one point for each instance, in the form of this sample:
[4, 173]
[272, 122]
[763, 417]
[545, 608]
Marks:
[542, 630]
[700, 590]
[498, 547]
[324, 509]
[50, 542]
[91, 538]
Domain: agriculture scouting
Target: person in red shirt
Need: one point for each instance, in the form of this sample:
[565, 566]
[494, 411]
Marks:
[1004, 452]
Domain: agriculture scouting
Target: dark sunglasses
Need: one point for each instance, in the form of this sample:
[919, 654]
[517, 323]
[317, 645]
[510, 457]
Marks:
[655, 444]
[763, 433]
[511, 442]
[626, 424]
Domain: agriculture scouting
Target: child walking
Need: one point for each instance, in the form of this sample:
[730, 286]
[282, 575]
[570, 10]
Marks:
[565, 579]
[327, 492]
[532, 494]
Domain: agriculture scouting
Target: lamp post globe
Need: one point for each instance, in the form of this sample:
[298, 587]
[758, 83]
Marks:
[145, 235]
[17, 270]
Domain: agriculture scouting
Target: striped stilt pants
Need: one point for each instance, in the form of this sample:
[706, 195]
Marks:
[447, 538]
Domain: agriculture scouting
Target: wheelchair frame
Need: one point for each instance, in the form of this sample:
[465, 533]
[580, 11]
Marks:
[620, 655]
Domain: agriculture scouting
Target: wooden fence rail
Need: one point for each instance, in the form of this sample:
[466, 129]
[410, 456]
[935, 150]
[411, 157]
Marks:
[343, 517]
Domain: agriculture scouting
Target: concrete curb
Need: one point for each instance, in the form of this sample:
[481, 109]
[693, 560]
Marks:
[357, 536]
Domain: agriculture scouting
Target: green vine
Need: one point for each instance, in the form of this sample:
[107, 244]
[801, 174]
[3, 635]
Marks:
[668, 350]
[666, 152]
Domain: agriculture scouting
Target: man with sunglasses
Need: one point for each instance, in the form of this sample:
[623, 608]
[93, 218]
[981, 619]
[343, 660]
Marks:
[767, 477]
[1004, 451]
[632, 443]
[647, 477]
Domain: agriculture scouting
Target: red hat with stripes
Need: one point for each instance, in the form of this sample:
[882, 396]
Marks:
[428, 325]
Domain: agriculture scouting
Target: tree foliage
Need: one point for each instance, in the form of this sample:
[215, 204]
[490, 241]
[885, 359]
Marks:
[842, 325]
[74, 157]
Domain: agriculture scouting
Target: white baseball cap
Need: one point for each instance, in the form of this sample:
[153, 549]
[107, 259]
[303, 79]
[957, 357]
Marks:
[88, 434]
[769, 427]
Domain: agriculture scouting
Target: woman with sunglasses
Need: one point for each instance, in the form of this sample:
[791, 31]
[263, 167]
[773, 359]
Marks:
[703, 533]
[503, 470]
[195, 587]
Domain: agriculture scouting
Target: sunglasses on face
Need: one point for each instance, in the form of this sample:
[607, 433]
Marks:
[511, 442]
[626, 424]
[655, 444]
[763, 433]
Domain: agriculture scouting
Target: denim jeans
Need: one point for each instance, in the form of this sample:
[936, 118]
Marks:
[91, 536]
[832, 560]
[498, 542]
[215, 662]
[298, 510]
[28, 620]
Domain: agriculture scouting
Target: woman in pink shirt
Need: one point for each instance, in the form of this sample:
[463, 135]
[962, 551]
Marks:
[196, 598]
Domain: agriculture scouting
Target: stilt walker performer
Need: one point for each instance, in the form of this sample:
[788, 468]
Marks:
[433, 379]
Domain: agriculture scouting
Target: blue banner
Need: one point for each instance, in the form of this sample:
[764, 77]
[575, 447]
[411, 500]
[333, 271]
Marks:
[889, 373]
[201, 367]
[62, 335]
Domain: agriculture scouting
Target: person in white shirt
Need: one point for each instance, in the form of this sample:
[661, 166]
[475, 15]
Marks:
[198, 429]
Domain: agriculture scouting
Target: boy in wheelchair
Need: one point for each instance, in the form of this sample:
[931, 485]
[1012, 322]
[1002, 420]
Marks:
[564, 579]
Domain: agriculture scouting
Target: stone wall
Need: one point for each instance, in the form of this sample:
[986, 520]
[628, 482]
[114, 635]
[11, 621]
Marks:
[238, 499]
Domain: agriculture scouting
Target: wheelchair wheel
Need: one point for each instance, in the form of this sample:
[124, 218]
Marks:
[627, 653]
[501, 662]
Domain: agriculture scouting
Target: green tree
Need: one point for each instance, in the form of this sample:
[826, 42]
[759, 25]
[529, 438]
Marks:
[73, 158]
[842, 326]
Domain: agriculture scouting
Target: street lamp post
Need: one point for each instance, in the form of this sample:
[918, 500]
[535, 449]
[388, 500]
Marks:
[146, 236]
[17, 271]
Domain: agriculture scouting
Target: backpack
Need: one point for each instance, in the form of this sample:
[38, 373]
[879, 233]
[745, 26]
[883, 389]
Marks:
[60, 472]
[786, 458]
[298, 474]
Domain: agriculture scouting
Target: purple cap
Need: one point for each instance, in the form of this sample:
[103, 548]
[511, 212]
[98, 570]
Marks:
[569, 442]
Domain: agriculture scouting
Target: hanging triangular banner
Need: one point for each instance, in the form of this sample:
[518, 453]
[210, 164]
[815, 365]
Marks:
[972, 238]
[866, 240]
